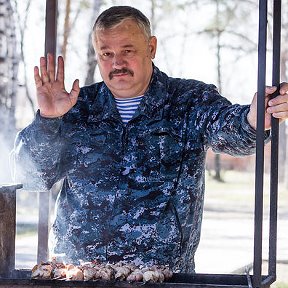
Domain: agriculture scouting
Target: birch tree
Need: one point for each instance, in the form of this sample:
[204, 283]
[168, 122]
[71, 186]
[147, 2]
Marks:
[9, 61]
[8, 85]
[22, 28]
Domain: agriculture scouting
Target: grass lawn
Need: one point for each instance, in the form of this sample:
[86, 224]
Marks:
[234, 197]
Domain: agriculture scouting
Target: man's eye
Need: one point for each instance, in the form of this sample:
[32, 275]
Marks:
[106, 56]
[129, 52]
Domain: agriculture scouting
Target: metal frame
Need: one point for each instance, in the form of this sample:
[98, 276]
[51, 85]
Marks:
[257, 280]
[44, 196]
[259, 170]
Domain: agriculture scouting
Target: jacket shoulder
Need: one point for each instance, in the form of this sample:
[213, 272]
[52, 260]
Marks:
[193, 91]
[86, 98]
[90, 92]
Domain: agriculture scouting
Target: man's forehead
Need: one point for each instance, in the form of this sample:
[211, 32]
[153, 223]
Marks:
[103, 46]
[124, 40]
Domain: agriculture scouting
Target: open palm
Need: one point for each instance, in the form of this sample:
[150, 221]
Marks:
[53, 99]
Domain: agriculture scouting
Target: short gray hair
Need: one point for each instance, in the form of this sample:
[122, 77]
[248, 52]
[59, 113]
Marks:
[116, 14]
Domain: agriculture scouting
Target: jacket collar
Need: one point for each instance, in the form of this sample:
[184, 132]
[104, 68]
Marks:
[151, 105]
[156, 95]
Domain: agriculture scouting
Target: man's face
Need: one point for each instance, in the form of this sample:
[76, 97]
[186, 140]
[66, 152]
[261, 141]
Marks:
[124, 57]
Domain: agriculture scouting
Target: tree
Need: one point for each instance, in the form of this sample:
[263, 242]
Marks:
[8, 84]
[22, 27]
[66, 29]
[9, 60]
[91, 59]
[239, 41]
[221, 25]
[69, 44]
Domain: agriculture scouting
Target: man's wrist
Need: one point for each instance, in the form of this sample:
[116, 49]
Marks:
[42, 120]
[49, 116]
[251, 120]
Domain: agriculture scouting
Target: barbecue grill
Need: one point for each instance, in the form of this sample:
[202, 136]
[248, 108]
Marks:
[11, 277]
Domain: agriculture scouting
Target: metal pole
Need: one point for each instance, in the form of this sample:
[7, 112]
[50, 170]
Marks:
[274, 141]
[7, 229]
[260, 136]
[44, 197]
[51, 26]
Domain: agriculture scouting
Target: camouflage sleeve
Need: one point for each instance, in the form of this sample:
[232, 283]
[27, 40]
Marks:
[231, 133]
[36, 153]
[225, 126]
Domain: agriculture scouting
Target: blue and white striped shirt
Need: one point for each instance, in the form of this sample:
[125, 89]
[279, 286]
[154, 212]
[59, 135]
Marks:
[127, 107]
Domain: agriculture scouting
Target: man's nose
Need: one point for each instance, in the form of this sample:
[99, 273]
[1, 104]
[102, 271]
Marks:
[118, 60]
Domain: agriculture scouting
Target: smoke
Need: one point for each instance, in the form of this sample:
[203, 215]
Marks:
[5, 168]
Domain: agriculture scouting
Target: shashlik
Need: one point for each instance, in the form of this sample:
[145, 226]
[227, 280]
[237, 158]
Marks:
[99, 271]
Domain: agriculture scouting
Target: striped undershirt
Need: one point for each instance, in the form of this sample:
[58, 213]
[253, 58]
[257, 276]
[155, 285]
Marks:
[127, 107]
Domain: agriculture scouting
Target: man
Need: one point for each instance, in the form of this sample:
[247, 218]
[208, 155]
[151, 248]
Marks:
[133, 186]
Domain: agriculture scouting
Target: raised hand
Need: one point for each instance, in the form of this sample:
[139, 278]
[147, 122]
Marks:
[53, 99]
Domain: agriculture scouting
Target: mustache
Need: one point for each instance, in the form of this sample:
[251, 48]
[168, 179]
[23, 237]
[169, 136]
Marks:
[120, 71]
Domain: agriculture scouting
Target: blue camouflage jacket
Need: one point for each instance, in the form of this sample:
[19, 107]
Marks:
[134, 192]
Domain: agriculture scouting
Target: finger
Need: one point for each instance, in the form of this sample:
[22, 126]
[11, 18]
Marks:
[284, 88]
[74, 92]
[270, 90]
[281, 115]
[60, 70]
[51, 67]
[43, 70]
[280, 108]
[37, 78]
[278, 100]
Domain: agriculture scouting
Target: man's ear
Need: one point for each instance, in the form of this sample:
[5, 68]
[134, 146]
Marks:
[153, 46]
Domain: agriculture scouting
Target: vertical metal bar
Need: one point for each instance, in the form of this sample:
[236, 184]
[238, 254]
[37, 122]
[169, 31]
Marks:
[43, 226]
[274, 141]
[51, 26]
[260, 136]
[7, 229]
[44, 197]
